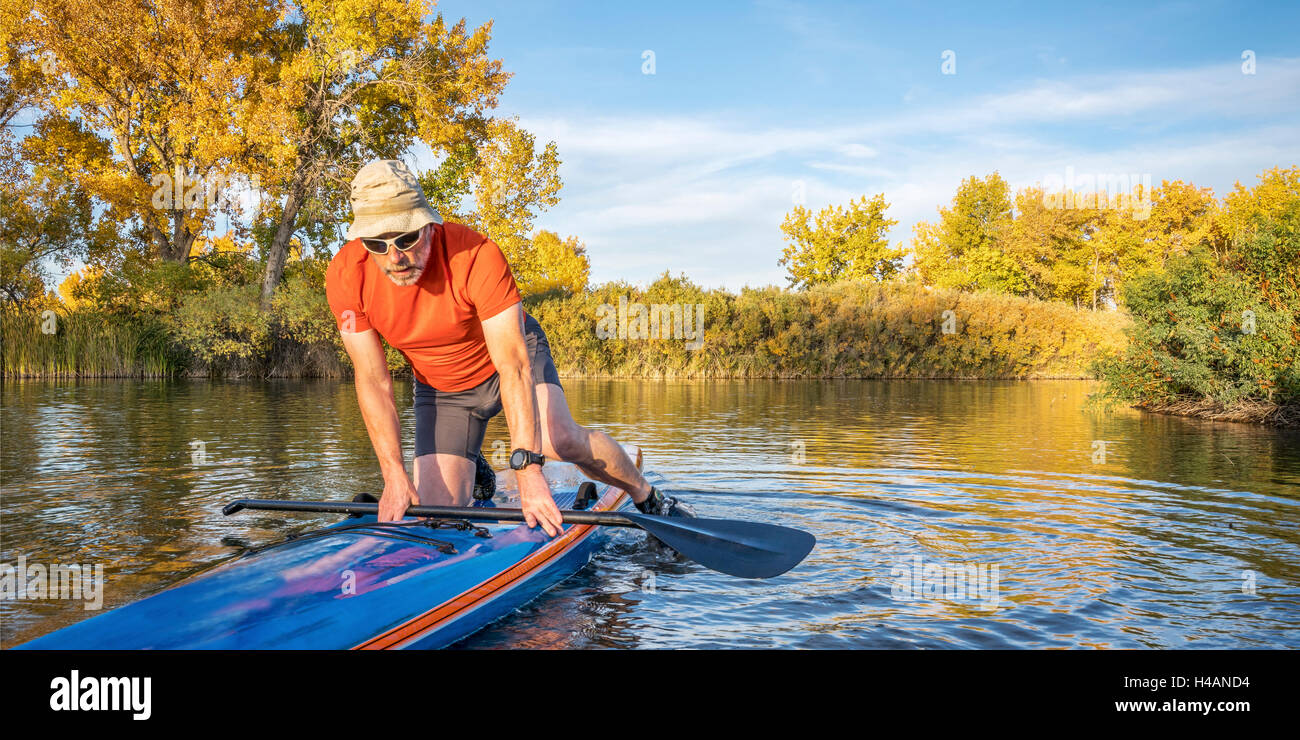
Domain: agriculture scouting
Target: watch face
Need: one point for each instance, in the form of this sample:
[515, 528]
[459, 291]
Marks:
[520, 459]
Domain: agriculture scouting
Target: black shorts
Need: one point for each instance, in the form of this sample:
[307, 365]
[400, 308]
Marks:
[453, 423]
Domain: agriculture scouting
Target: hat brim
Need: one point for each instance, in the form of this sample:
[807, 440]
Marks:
[372, 225]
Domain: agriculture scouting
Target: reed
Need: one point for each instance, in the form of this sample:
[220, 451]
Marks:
[74, 344]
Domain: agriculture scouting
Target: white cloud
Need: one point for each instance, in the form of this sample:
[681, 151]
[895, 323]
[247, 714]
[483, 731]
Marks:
[705, 195]
[857, 151]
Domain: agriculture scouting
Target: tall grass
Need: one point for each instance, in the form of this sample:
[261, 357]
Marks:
[844, 330]
[72, 344]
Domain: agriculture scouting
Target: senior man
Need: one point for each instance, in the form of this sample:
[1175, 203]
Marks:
[443, 295]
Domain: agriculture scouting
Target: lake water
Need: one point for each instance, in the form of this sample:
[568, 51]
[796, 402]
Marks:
[948, 514]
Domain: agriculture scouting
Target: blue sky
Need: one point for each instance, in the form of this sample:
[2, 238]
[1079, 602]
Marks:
[692, 169]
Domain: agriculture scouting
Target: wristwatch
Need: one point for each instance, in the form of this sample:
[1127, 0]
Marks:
[521, 458]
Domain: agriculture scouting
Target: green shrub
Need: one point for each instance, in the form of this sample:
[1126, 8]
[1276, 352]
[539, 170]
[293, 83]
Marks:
[224, 328]
[1218, 335]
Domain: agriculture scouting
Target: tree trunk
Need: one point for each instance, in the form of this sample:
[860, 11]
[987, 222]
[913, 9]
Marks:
[280, 244]
[178, 248]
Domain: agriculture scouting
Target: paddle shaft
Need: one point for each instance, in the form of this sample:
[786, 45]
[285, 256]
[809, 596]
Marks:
[743, 549]
[603, 518]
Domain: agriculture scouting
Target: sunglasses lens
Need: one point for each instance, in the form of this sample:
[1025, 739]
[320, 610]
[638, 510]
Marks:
[407, 240]
[404, 242]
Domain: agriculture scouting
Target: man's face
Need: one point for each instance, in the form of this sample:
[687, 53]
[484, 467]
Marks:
[405, 268]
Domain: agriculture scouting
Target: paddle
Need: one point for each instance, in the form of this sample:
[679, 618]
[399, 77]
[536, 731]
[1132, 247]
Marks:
[742, 549]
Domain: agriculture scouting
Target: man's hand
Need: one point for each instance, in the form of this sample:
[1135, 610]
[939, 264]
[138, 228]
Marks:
[399, 493]
[536, 500]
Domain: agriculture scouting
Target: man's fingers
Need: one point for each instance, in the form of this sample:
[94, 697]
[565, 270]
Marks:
[391, 513]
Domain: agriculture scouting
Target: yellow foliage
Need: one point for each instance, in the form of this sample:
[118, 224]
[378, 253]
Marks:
[72, 291]
[840, 243]
[1277, 189]
[225, 244]
[156, 84]
[512, 182]
[553, 264]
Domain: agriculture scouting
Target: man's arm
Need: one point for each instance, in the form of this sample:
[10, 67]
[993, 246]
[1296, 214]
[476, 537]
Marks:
[379, 410]
[504, 334]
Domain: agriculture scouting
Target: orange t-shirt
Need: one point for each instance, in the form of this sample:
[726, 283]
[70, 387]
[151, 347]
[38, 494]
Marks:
[436, 322]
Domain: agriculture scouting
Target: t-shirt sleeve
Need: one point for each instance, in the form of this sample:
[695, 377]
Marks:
[343, 290]
[491, 286]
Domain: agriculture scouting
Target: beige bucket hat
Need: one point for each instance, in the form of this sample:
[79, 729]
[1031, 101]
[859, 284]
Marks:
[386, 197]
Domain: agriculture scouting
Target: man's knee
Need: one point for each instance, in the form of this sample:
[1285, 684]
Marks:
[570, 443]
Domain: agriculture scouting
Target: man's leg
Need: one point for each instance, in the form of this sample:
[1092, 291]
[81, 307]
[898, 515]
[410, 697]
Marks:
[595, 453]
[448, 435]
[444, 480]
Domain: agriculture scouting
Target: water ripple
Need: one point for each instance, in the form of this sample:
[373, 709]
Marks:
[1182, 534]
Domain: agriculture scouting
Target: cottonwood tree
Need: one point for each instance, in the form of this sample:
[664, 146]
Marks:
[45, 218]
[964, 250]
[352, 81]
[169, 97]
[555, 265]
[145, 106]
[840, 243]
[1053, 249]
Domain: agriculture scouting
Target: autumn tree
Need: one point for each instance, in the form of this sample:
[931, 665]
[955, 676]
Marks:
[141, 118]
[448, 186]
[159, 104]
[840, 243]
[965, 249]
[512, 183]
[25, 74]
[46, 218]
[554, 264]
[1216, 328]
[1272, 198]
[1262, 226]
[498, 188]
[1053, 249]
[353, 81]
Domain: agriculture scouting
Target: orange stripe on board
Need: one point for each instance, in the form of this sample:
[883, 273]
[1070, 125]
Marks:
[447, 611]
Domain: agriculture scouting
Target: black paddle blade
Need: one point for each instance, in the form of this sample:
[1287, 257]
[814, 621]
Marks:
[741, 549]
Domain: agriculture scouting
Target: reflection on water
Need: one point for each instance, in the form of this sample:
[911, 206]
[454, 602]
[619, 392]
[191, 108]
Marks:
[1087, 529]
